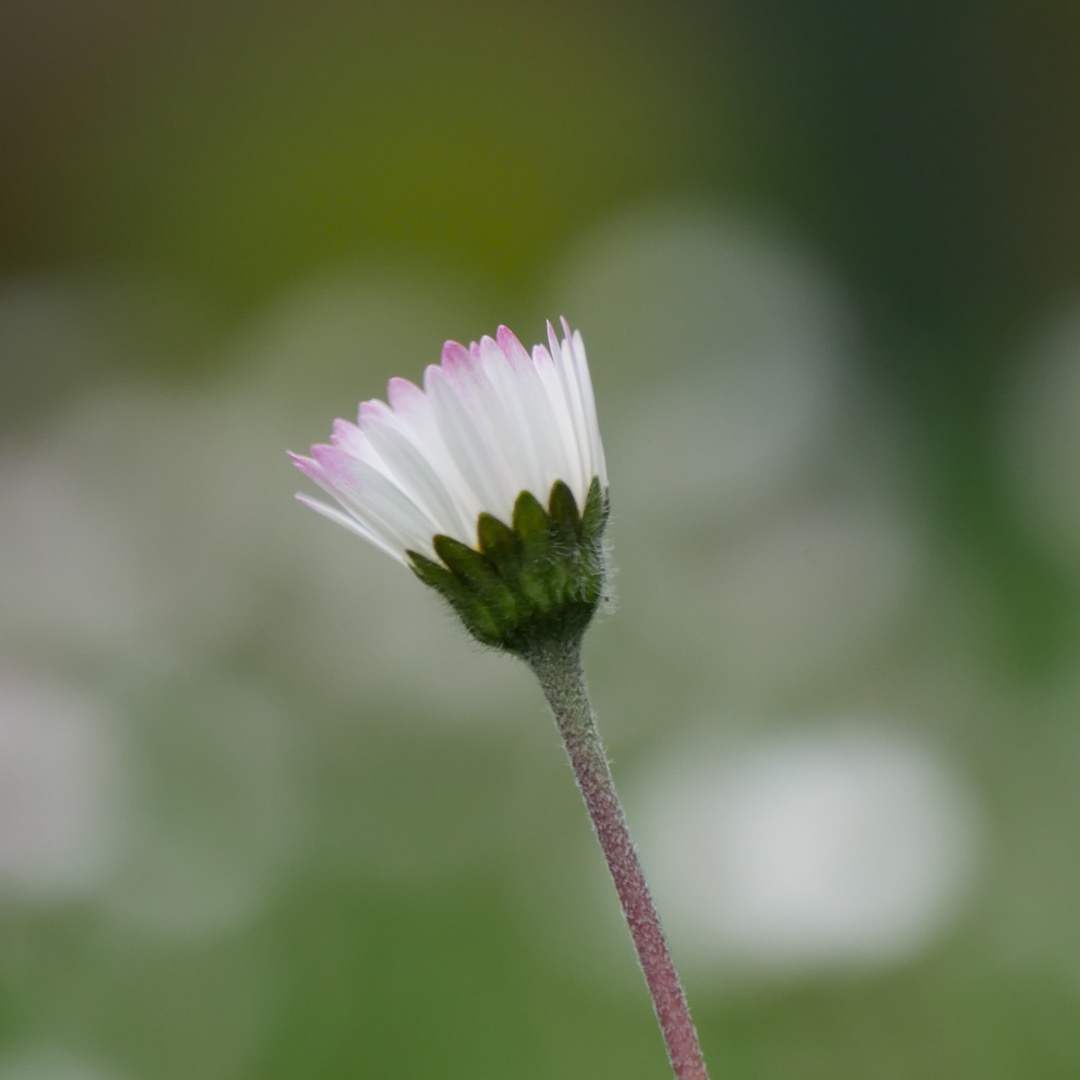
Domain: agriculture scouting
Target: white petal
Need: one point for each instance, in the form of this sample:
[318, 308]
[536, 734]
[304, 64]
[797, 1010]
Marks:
[349, 438]
[350, 523]
[375, 500]
[588, 399]
[564, 365]
[410, 469]
[517, 427]
[315, 471]
[538, 416]
[416, 412]
[472, 381]
[572, 471]
[466, 443]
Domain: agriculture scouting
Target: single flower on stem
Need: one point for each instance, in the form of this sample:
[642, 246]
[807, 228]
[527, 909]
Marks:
[490, 484]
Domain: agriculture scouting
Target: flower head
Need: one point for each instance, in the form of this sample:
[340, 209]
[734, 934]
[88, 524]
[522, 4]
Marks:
[489, 483]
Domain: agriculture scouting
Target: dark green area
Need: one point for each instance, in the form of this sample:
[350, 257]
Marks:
[538, 582]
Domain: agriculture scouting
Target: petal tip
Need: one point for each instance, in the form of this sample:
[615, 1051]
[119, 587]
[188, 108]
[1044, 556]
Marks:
[372, 410]
[511, 345]
[401, 391]
[455, 357]
[309, 466]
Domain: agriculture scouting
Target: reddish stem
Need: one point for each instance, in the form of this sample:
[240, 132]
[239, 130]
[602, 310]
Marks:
[563, 681]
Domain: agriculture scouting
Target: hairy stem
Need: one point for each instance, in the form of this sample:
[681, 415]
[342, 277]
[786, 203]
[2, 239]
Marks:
[558, 667]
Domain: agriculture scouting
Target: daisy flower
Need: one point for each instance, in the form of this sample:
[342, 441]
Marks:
[490, 483]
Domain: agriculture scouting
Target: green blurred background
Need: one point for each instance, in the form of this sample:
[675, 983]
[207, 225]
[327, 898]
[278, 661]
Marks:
[265, 814]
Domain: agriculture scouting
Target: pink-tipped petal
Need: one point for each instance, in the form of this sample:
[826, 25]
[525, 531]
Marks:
[495, 362]
[308, 466]
[490, 350]
[541, 358]
[463, 438]
[374, 498]
[459, 365]
[411, 461]
[453, 352]
[373, 410]
[348, 437]
[403, 394]
[553, 340]
[433, 373]
[512, 348]
[332, 461]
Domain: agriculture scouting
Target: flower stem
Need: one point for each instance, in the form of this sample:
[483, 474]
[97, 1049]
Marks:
[558, 667]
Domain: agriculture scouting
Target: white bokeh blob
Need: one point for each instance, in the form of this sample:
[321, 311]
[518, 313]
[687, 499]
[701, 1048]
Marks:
[60, 826]
[837, 847]
[67, 576]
